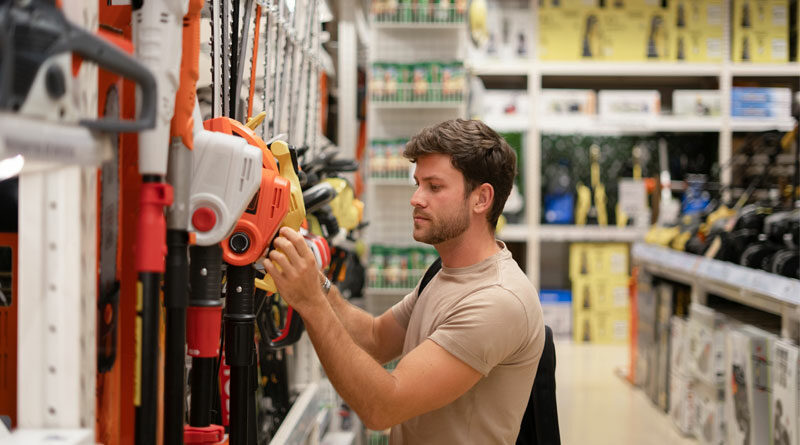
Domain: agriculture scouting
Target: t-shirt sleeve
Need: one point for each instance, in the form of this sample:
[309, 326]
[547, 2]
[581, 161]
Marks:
[484, 329]
[402, 309]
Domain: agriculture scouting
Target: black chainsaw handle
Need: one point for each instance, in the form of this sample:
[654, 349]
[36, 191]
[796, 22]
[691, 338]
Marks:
[57, 35]
[281, 329]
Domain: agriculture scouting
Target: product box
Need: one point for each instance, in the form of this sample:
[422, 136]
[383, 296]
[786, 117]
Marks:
[761, 95]
[748, 400]
[559, 102]
[760, 31]
[585, 259]
[678, 332]
[682, 406]
[696, 103]
[558, 39]
[662, 373]
[497, 105]
[664, 310]
[785, 392]
[602, 327]
[627, 105]
[646, 307]
[709, 422]
[557, 310]
[706, 344]
[699, 30]
[615, 259]
[600, 292]
[638, 33]
[760, 111]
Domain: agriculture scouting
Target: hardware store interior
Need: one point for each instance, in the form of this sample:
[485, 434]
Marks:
[156, 289]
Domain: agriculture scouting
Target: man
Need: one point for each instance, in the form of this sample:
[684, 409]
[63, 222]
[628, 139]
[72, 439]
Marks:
[470, 343]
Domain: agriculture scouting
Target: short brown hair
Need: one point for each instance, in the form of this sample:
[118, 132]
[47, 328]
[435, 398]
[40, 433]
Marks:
[475, 150]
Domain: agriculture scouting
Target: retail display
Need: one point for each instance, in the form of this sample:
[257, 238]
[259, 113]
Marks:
[508, 33]
[600, 288]
[557, 310]
[696, 103]
[567, 102]
[418, 82]
[418, 11]
[761, 102]
[386, 160]
[785, 392]
[760, 31]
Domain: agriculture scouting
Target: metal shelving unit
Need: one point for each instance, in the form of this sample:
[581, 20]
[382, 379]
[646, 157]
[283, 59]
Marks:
[536, 71]
[755, 288]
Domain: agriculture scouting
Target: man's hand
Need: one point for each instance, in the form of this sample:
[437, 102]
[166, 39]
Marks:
[294, 269]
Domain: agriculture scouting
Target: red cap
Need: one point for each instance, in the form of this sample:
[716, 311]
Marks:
[204, 219]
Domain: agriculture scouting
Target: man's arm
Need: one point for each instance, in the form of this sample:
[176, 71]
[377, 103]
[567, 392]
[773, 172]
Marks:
[382, 337]
[426, 379]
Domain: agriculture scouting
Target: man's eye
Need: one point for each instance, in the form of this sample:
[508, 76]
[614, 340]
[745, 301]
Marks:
[435, 187]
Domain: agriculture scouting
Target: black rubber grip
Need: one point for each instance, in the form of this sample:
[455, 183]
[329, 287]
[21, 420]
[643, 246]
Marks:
[205, 275]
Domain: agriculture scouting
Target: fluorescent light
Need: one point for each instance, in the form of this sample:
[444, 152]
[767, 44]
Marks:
[11, 167]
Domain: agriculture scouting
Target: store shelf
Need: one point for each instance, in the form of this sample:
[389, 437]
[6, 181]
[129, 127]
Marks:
[419, 25]
[392, 182]
[516, 124]
[746, 124]
[755, 288]
[662, 69]
[388, 291]
[766, 70]
[409, 105]
[552, 232]
[304, 418]
[595, 125]
[515, 233]
[519, 67]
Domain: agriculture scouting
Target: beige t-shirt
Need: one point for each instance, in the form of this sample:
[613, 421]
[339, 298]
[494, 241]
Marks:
[488, 315]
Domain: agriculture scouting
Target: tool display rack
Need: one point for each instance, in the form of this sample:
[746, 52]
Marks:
[388, 209]
[610, 74]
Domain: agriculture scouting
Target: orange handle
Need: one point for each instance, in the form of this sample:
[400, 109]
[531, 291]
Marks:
[182, 122]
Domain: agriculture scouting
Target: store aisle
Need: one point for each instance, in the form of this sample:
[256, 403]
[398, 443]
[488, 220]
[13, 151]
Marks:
[595, 406]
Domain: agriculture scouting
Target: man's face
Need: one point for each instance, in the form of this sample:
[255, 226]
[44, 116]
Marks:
[441, 212]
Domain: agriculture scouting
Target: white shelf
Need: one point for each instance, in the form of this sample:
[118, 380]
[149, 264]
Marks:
[554, 232]
[418, 25]
[767, 70]
[520, 67]
[595, 125]
[755, 288]
[388, 291]
[588, 68]
[519, 124]
[514, 233]
[758, 124]
[415, 105]
[391, 182]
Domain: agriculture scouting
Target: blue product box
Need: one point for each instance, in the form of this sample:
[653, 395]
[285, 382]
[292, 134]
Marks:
[753, 94]
[557, 310]
[760, 112]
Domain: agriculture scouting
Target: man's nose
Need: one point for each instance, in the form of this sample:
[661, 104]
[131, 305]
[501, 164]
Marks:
[417, 199]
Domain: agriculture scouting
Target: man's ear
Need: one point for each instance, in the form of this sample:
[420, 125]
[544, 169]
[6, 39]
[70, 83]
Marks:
[484, 196]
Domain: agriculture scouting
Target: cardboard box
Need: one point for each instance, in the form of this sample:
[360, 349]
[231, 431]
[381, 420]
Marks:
[699, 30]
[585, 259]
[709, 422]
[615, 259]
[677, 346]
[662, 373]
[557, 310]
[760, 31]
[628, 105]
[681, 403]
[786, 392]
[601, 327]
[696, 103]
[555, 102]
[600, 292]
[638, 33]
[706, 344]
[761, 95]
[558, 39]
[748, 386]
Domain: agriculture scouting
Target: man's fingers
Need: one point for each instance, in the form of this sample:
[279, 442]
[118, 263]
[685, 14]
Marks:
[279, 262]
[287, 248]
[297, 241]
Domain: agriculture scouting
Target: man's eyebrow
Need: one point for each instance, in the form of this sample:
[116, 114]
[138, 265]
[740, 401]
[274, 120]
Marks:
[428, 178]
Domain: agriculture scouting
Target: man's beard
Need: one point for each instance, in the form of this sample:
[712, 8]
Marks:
[445, 229]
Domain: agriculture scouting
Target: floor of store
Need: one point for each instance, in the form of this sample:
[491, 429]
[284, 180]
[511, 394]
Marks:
[596, 406]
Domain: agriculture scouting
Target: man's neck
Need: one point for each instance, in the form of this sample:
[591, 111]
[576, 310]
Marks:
[471, 247]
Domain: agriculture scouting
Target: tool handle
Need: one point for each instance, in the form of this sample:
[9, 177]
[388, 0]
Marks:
[182, 120]
[107, 56]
